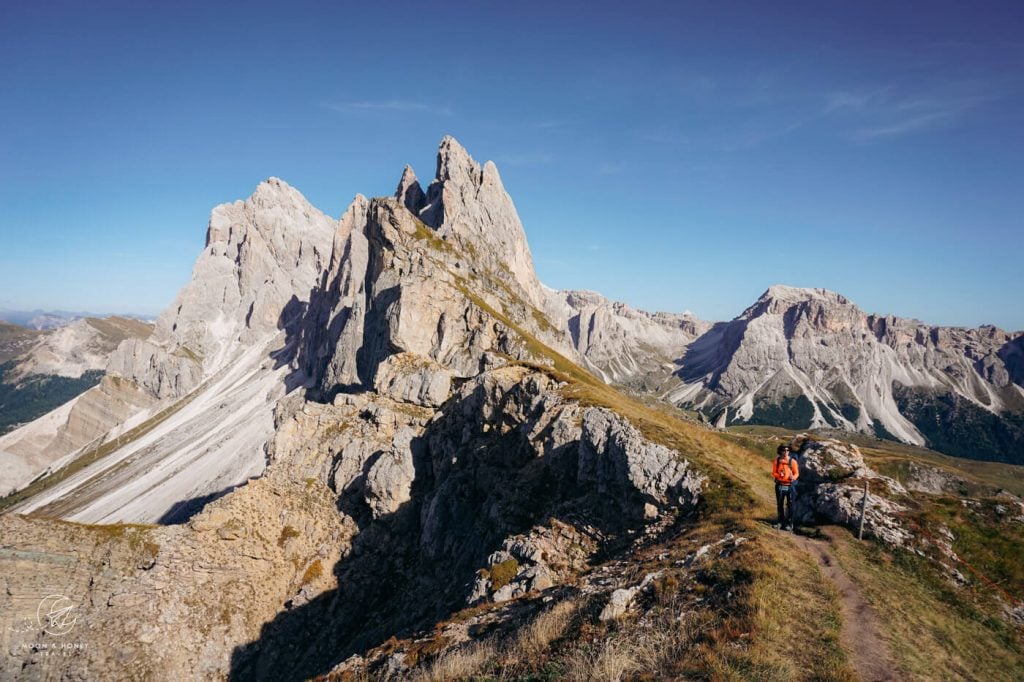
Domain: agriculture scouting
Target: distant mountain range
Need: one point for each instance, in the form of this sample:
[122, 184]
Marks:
[51, 319]
[41, 370]
[811, 359]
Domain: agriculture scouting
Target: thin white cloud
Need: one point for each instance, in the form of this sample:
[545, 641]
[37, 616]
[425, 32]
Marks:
[904, 127]
[887, 113]
[388, 105]
[846, 99]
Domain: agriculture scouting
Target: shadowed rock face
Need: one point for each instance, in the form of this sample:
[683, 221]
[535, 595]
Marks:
[373, 366]
[444, 497]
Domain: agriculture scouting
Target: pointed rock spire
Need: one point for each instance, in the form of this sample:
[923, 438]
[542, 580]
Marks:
[468, 203]
[409, 191]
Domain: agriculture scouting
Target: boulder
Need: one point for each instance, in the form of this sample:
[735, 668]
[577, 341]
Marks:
[410, 378]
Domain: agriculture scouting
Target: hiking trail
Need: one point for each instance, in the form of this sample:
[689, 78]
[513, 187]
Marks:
[861, 635]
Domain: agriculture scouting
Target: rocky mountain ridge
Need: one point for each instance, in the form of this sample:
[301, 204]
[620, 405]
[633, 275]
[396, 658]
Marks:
[810, 358]
[364, 447]
[420, 434]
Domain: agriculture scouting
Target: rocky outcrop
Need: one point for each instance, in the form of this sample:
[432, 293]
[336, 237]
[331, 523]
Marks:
[506, 490]
[406, 377]
[831, 488]
[152, 368]
[922, 478]
[620, 463]
[164, 602]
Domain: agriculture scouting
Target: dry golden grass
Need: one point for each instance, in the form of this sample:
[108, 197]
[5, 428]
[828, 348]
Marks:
[536, 638]
[796, 619]
[464, 663]
[314, 571]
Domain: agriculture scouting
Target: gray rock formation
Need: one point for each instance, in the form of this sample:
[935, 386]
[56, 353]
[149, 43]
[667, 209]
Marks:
[831, 488]
[212, 348]
[263, 258]
[409, 378]
[810, 358]
[615, 458]
[445, 275]
[623, 345]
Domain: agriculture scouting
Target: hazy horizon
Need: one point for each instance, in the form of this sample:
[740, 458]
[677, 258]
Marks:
[671, 156]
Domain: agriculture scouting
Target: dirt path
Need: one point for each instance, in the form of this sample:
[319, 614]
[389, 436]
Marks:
[861, 635]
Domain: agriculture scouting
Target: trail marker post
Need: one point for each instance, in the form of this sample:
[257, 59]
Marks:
[863, 511]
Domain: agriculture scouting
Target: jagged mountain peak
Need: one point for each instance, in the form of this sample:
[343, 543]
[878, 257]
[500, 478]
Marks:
[468, 204]
[275, 191]
[453, 160]
[778, 297]
[409, 191]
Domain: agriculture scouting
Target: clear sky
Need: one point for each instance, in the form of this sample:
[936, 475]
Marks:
[674, 155]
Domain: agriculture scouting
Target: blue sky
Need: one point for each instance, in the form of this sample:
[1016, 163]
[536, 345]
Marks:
[675, 155]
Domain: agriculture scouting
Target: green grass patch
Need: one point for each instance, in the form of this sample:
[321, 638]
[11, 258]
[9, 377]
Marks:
[502, 573]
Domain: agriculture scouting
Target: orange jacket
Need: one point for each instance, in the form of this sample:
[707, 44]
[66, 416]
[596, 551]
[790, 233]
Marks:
[785, 472]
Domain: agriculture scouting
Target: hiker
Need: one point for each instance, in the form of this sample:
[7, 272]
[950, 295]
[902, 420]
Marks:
[785, 471]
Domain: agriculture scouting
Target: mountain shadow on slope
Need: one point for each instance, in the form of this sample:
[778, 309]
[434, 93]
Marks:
[477, 481]
[958, 427]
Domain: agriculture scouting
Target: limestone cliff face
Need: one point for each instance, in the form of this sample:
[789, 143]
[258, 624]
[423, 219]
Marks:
[621, 344]
[810, 357]
[445, 275]
[391, 372]
[263, 258]
[468, 205]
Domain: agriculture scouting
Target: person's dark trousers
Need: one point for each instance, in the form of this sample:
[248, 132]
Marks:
[784, 501]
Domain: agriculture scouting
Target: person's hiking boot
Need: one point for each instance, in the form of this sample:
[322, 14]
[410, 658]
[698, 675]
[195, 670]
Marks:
[776, 525]
[790, 528]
